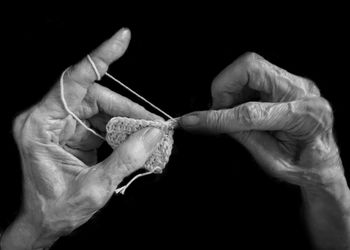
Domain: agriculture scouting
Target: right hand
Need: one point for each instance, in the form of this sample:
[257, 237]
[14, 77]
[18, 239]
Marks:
[288, 131]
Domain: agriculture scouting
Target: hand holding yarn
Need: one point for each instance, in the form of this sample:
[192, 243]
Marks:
[63, 183]
[289, 130]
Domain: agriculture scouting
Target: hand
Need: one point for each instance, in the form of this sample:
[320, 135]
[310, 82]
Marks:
[63, 184]
[288, 131]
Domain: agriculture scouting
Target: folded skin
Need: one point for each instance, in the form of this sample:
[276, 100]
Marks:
[64, 185]
[289, 132]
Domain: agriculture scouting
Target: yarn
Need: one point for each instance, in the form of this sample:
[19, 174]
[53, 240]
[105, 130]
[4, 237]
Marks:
[118, 129]
[126, 87]
[65, 105]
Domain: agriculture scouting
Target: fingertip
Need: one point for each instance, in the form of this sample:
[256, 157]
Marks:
[201, 122]
[120, 42]
[189, 120]
[113, 48]
[124, 33]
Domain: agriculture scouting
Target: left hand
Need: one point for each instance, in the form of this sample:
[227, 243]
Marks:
[288, 130]
[63, 183]
[286, 124]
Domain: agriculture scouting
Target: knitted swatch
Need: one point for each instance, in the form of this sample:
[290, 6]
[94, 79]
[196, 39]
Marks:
[119, 129]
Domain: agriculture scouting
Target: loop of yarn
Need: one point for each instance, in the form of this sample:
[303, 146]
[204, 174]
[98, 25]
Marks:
[120, 128]
[65, 105]
[98, 75]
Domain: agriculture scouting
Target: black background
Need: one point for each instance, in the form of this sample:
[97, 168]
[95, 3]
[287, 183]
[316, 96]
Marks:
[212, 192]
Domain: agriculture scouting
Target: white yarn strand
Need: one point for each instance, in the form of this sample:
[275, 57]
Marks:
[139, 96]
[120, 190]
[94, 67]
[98, 75]
[123, 188]
[63, 99]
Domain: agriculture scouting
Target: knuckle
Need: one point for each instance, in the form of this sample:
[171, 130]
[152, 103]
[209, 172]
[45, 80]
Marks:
[101, 64]
[249, 59]
[327, 113]
[30, 126]
[319, 106]
[94, 196]
[75, 71]
[311, 88]
[318, 111]
[250, 114]
[324, 104]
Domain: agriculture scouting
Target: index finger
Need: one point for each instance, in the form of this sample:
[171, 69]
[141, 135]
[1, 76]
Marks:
[108, 52]
[81, 76]
[114, 104]
[252, 76]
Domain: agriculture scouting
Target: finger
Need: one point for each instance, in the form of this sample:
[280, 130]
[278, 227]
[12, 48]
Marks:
[78, 78]
[112, 104]
[301, 118]
[250, 75]
[227, 86]
[131, 155]
[249, 116]
[103, 56]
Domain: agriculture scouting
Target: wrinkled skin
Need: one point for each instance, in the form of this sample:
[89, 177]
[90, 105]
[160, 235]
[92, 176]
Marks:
[287, 126]
[63, 183]
[289, 130]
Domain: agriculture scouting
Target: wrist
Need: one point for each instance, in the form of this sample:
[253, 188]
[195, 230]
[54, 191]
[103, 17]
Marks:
[330, 184]
[329, 202]
[24, 233]
[327, 209]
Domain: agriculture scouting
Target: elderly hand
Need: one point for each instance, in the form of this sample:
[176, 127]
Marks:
[63, 184]
[289, 132]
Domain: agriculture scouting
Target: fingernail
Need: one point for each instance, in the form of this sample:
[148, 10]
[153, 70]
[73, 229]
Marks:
[151, 137]
[190, 120]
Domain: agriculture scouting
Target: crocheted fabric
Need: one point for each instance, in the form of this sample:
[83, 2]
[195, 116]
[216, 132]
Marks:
[120, 128]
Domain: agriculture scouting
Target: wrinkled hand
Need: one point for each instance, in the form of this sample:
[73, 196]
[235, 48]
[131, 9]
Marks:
[63, 184]
[288, 130]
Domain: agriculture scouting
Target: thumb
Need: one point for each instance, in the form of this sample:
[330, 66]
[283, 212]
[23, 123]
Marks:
[132, 154]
